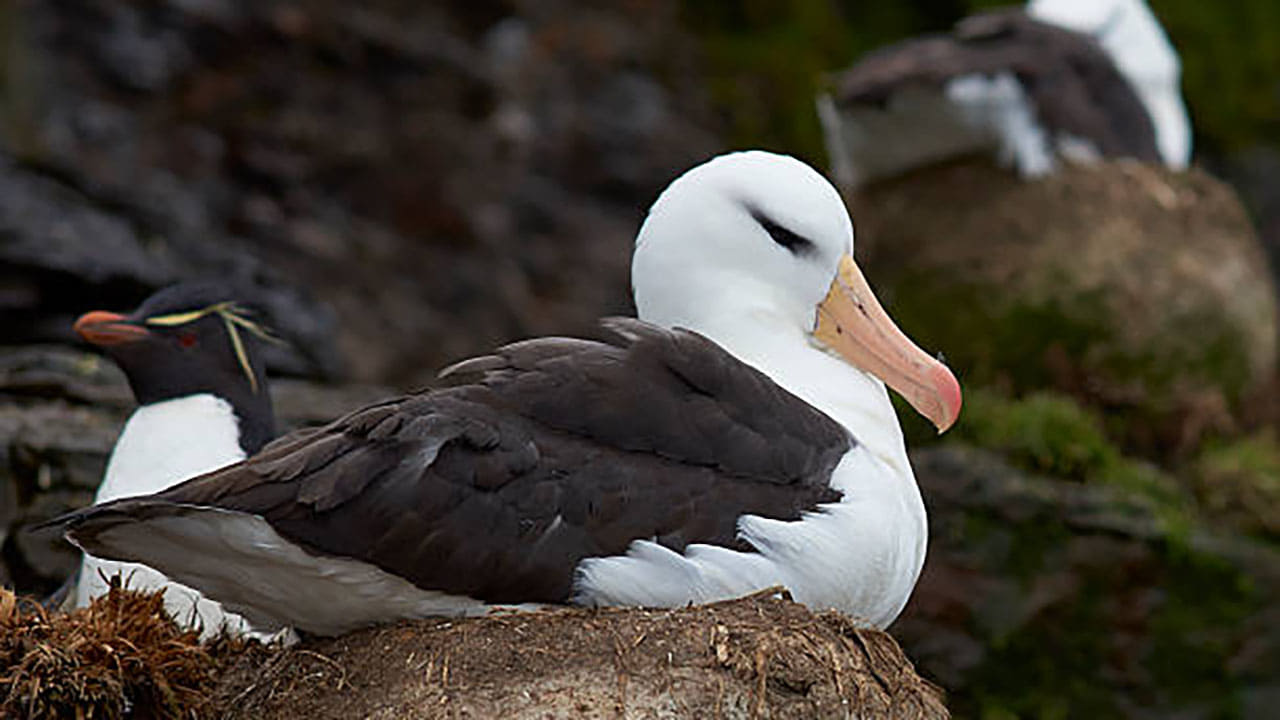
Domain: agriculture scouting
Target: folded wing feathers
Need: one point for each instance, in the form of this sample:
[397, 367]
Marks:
[713, 439]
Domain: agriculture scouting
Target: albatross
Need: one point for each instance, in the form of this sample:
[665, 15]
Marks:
[737, 435]
[191, 356]
[1075, 79]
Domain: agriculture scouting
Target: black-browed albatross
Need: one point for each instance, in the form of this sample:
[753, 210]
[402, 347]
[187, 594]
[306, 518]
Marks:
[1080, 79]
[191, 355]
[738, 435]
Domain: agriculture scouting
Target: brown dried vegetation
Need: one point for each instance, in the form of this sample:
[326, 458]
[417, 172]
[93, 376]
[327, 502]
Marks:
[120, 657]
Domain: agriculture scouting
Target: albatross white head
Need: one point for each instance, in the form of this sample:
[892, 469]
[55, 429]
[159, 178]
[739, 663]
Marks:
[755, 251]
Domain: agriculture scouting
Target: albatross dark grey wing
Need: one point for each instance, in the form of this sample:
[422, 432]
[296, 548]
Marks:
[538, 456]
[1072, 85]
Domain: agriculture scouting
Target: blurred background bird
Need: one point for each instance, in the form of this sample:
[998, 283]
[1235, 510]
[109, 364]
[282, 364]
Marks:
[1058, 79]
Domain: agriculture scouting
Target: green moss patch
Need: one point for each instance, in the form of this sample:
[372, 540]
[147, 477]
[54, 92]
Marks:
[999, 337]
[1044, 432]
[1239, 482]
[1052, 434]
[1170, 623]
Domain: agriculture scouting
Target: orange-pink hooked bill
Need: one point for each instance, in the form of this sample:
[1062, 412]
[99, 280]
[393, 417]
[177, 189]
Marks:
[852, 322]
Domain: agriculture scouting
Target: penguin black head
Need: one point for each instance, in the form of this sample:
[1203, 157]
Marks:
[189, 339]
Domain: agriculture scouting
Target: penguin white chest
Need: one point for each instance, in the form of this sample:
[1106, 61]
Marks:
[166, 442]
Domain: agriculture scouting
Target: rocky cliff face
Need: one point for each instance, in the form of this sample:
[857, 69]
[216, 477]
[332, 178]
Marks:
[407, 184]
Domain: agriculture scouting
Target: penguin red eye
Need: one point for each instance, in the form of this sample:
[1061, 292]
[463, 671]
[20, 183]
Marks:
[187, 339]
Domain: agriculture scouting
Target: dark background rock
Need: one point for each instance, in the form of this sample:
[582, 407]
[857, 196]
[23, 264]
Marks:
[1038, 593]
[447, 174]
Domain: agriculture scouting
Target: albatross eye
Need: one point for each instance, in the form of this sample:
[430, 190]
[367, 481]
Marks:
[797, 244]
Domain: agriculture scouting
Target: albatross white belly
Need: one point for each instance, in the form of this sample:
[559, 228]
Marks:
[861, 556]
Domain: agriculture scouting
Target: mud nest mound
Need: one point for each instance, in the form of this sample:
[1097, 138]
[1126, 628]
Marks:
[120, 657]
[758, 657]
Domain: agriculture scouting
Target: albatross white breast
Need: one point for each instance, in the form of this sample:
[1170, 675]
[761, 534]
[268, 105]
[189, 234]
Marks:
[737, 435]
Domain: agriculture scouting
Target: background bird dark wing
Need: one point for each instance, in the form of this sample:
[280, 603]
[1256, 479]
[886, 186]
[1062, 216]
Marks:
[1072, 83]
[546, 452]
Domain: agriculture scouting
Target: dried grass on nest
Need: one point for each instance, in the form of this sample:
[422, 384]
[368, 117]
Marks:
[121, 656]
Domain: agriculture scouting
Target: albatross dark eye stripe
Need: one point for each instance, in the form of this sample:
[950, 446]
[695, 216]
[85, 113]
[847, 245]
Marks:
[797, 244]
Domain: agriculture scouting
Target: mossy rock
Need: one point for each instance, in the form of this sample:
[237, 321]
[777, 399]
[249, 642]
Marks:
[1052, 434]
[1043, 432]
[1049, 599]
[1238, 483]
[1131, 287]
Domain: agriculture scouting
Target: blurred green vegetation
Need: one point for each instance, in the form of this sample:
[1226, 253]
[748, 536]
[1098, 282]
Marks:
[1044, 432]
[1049, 668]
[1230, 68]
[1239, 481]
[1052, 434]
[1046, 665]
[1232, 482]
[767, 59]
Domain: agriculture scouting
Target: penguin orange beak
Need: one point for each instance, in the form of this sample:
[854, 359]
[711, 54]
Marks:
[107, 328]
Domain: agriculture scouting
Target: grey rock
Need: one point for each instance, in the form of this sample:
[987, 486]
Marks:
[56, 371]
[443, 178]
[138, 53]
[46, 226]
[62, 254]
